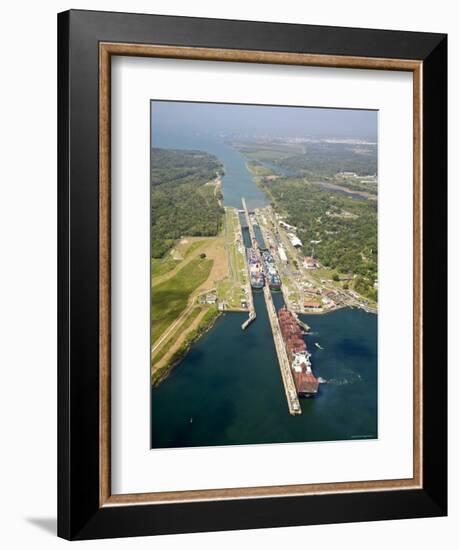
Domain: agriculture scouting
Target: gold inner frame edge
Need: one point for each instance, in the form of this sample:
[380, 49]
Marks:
[106, 51]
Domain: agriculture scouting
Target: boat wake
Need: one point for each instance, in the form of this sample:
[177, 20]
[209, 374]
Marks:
[349, 378]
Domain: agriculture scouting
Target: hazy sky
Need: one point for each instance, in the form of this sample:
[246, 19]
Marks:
[169, 116]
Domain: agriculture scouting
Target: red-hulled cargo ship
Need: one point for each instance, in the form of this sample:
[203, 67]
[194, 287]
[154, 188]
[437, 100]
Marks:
[306, 383]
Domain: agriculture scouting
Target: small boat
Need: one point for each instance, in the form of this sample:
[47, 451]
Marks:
[191, 420]
[318, 345]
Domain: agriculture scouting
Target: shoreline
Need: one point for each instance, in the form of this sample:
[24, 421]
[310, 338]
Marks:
[166, 370]
[371, 312]
[206, 323]
[162, 374]
[158, 376]
[271, 205]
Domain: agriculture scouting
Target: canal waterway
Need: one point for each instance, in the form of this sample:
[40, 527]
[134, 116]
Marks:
[237, 181]
[228, 389]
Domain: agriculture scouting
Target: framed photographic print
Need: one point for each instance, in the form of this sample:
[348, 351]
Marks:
[252, 274]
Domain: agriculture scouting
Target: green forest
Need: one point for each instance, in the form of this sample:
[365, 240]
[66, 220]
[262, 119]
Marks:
[319, 159]
[344, 230]
[327, 159]
[181, 203]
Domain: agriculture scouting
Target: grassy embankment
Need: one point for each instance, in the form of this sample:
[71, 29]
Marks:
[230, 290]
[178, 279]
[170, 298]
[196, 324]
[175, 312]
[182, 250]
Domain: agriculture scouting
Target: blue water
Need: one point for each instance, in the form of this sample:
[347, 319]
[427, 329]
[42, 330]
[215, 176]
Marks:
[349, 194]
[237, 181]
[259, 237]
[228, 390]
[282, 171]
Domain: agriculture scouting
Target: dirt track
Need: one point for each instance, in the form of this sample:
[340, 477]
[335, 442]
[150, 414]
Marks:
[214, 249]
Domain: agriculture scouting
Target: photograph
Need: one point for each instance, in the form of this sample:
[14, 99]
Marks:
[264, 274]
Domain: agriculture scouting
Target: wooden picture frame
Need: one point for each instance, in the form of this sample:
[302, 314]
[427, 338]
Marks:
[87, 41]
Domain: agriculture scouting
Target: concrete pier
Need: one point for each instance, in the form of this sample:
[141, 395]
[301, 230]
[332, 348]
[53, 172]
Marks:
[250, 304]
[302, 324]
[252, 317]
[284, 364]
[249, 225]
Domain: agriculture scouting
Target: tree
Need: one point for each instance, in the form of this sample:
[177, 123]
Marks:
[181, 203]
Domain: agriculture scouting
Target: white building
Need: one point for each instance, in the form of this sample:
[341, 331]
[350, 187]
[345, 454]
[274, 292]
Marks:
[294, 240]
[282, 254]
[287, 225]
[210, 298]
[310, 263]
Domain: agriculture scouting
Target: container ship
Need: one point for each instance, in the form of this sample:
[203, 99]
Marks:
[271, 274]
[307, 385]
[257, 279]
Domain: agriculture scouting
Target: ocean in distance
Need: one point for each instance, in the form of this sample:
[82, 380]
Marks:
[228, 389]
